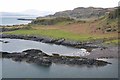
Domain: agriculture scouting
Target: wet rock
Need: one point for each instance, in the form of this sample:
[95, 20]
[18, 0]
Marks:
[17, 59]
[91, 46]
[38, 57]
[55, 54]
[46, 62]
[32, 51]
[70, 43]
[59, 41]
[48, 40]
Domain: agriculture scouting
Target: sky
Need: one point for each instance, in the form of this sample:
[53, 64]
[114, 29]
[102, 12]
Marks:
[52, 5]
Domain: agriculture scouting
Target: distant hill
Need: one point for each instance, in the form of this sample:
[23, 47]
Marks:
[83, 13]
[36, 12]
[30, 12]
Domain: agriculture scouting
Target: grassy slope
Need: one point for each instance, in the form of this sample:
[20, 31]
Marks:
[54, 33]
[75, 31]
[113, 42]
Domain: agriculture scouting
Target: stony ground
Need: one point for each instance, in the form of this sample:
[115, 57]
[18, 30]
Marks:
[109, 52]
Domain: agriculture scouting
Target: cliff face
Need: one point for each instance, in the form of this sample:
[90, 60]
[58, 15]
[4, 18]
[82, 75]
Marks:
[114, 13]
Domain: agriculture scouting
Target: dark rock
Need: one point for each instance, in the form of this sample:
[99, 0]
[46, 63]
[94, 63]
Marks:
[32, 51]
[70, 43]
[45, 62]
[48, 40]
[59, 41]
[40, 58]
[64, 42]
[55, 55]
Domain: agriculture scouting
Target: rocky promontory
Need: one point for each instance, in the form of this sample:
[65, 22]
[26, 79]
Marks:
[41, 58]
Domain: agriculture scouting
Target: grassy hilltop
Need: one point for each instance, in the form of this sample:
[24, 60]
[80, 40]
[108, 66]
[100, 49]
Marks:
[103, 26]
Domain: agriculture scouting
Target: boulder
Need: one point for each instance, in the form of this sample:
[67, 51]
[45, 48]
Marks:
[59, 41]
[31, 51]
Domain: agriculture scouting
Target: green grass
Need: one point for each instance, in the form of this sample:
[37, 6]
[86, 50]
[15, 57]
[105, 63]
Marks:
[52, 21]
[106, 23]
[64, 23]
[114, 42]
[59, 33]
[54, 33]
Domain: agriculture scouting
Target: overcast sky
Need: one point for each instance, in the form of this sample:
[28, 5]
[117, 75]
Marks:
[52, 5]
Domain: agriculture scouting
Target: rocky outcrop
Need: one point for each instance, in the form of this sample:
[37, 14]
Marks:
[41, 58]
[83, 13]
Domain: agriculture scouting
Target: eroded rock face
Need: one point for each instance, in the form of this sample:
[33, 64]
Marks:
[41, 58]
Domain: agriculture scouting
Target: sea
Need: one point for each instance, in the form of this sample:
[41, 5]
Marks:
[13, 20]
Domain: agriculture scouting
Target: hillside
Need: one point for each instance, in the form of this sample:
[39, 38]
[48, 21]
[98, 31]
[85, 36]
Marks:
[83, 13]
[51, 21]
[105, 18]
[103, 28]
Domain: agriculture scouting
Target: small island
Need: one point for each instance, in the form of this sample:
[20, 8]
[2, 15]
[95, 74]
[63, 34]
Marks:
[41, 58]
[25, 19]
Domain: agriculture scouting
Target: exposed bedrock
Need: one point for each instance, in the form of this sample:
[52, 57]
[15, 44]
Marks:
[41, 58]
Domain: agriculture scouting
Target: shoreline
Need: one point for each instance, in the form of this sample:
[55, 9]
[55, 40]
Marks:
[41, 58]
[95, 51]
[61, 41]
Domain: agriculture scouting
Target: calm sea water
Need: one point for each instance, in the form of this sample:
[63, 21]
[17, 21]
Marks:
[8, 20]
[12, 69]
[18, 45]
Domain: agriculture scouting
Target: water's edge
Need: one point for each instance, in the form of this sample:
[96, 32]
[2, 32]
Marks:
[26, 70]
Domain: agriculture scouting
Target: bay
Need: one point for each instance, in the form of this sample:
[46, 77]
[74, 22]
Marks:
[13, 20]
[13, 69]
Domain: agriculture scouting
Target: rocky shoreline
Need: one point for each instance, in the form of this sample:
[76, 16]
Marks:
[41, 58]
[62, 41]
[96, 51]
